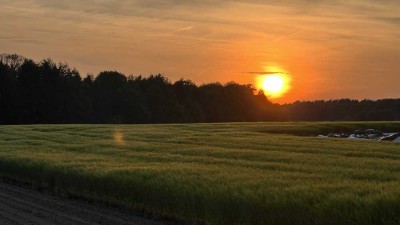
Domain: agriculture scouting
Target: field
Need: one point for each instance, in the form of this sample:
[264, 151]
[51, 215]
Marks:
[239, 173]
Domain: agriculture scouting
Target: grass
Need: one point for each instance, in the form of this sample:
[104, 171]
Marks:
[240, 173]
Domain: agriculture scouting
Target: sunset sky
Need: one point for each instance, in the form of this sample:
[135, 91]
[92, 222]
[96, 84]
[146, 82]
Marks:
[329, 49]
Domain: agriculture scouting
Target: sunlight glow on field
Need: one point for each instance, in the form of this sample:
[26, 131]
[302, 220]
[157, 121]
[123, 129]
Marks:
[118, 138]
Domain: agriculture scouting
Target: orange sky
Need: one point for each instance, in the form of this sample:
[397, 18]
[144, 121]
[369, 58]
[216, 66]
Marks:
[331, 49]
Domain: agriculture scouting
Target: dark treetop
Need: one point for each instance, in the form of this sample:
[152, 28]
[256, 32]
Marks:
[44, 92]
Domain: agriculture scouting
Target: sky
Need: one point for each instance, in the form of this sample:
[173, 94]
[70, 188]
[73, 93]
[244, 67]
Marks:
[329, 48]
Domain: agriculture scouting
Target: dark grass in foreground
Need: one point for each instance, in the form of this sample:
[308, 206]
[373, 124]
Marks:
[243, 173]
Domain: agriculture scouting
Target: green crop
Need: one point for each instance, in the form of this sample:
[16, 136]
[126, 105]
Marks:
[239, 173]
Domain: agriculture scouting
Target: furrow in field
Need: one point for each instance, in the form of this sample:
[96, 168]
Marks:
[24, 206]
[40, 211]
[7, 217]
[341, 149]
[21, 214]
[97, 214]
[309, 166]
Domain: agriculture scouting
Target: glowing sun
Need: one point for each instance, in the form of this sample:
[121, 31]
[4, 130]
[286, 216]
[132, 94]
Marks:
[274, 85]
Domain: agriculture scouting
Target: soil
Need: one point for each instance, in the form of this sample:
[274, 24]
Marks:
[22, 205]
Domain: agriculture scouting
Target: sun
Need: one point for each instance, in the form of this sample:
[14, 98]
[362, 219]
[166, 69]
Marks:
[274, 85]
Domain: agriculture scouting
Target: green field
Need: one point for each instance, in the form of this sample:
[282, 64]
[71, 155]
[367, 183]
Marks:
[240, 173]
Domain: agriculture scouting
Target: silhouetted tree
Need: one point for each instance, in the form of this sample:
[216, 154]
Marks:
[45, 92]
[161, 100]
[108, 96]
[188, 95]
[8, 91]
[211, 100]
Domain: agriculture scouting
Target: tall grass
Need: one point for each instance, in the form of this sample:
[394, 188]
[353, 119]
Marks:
[243, 173]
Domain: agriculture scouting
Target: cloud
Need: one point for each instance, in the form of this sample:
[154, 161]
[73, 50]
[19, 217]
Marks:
[206, 11]
[266, 73]
[184, 29]
[395, 20]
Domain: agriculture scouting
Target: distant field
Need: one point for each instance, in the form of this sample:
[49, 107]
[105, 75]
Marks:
[240, 173]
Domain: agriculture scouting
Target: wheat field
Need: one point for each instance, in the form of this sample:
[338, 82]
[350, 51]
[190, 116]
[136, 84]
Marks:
[231, 173]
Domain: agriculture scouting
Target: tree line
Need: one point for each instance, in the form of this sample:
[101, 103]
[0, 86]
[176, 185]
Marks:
[49, 93]
[344, 110]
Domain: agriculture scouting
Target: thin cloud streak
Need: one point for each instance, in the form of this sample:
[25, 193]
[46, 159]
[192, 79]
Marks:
[266, 73]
